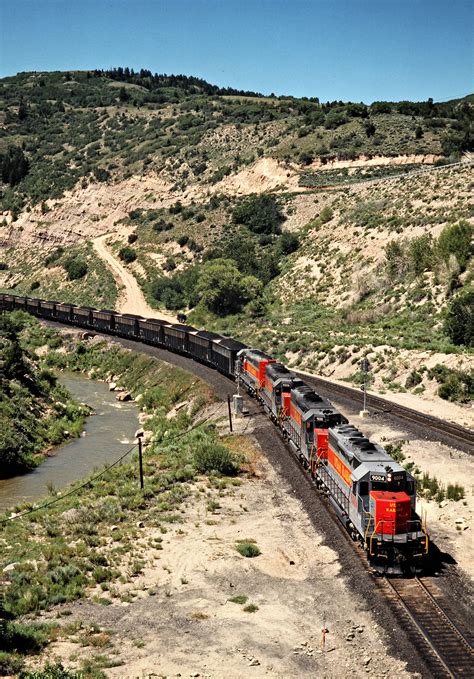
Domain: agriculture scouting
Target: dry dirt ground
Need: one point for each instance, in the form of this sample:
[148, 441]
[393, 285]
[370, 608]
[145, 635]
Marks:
[180, 620]
[131, 298]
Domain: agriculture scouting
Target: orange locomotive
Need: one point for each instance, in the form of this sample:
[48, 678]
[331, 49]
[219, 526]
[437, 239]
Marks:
[373, 496]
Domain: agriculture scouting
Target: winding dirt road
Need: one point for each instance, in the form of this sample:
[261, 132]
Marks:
[131, 299]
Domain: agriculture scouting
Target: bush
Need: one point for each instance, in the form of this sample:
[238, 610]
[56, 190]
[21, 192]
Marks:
[456, 385]
[260, 213]
[132, 238]
[459, 321]
[75, 268]
[455, 492]
[127, 254]
[3, 266]
[182, 240]
[57, 671]
[287, 243]
[53, 257]
[223, 289]
[247, 548]
[212, 456]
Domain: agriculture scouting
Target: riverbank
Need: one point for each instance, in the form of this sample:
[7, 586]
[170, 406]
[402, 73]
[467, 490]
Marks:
[105, 435]
[37, 413]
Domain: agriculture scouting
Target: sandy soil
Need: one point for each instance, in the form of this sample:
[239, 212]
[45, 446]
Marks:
[131, 299]
[181, 621]
[266, 174]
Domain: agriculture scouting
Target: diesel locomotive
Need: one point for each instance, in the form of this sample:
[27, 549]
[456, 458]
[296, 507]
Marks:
[372, 495]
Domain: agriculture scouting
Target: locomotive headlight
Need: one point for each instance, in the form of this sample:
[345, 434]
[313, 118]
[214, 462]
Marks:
[389, 477]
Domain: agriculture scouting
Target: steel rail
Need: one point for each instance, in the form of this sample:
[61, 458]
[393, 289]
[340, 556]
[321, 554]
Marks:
[447, 645]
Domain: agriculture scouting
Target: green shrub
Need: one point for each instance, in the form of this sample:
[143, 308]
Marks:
[459, 321]
[455, 492]
[10, 664]
[75, 268]
[3, 266]
[127, 254]
[132, 238]
[260, 213]
[58, 671]
[212, 456]
[239, 599]
[250, 608]
[182, 240]
[247, 548]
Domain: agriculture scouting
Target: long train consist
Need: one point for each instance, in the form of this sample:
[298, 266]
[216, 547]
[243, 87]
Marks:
[373, 496]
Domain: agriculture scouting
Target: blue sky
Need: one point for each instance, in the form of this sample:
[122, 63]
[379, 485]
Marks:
[359, 50]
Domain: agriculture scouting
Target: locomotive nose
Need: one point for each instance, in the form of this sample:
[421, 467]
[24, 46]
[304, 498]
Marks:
[391, 510]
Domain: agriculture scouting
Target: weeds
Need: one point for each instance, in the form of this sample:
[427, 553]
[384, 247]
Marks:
[247, 548]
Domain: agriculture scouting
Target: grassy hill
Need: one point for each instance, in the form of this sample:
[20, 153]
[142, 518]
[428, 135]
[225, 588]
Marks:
[93, 126]
[304, 227]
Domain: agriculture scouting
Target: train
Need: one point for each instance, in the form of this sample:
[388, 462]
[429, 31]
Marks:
[373, 496]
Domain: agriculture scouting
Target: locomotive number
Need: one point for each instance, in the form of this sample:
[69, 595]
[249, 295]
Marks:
[377, 477]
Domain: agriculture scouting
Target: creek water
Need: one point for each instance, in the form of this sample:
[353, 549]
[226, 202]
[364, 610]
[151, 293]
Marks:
[108, 435]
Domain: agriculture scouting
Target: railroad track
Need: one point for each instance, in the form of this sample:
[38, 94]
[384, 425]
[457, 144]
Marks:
[446, 646]
[449, 432]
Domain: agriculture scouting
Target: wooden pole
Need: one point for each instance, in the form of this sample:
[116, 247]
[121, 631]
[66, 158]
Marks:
[140, 460]
[230, 412]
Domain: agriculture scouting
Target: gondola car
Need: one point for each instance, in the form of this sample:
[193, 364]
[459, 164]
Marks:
[8, 302]
[103, 320]
[225, 353]
[63, 312]
[150, 330]
[47, 309]
[32, 305]
[126, 325]
[19, 303]
[82, 316]
[175, 337]
[200, 345]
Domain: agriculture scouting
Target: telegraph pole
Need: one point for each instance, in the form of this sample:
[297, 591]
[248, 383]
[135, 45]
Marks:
[365, 368]
[140, 458]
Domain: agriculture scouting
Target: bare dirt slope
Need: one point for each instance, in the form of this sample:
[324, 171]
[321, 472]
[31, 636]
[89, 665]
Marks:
[177, 618]
[131, 299]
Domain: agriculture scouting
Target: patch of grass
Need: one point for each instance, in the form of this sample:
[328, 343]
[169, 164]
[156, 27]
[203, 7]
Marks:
[250, 608]
[240, 599]
[247, 548]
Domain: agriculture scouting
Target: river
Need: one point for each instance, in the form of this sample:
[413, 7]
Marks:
[108, 434]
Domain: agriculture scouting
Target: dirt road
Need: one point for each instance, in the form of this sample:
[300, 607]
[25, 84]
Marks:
[131, 299]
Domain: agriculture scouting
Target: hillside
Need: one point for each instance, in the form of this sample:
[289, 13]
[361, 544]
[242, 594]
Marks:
[322, 232]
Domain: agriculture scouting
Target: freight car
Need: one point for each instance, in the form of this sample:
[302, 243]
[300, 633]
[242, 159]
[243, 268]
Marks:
[374, 497]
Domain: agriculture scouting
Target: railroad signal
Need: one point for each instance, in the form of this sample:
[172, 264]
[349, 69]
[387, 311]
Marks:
[365, 365]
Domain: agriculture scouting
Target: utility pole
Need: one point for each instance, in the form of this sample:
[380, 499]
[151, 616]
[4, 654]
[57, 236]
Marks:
[230, 412]
[365, 368]
[140, 458]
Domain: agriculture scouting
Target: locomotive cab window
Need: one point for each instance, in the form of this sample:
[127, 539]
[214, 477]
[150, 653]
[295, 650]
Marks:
[354, 488]
[310, 431]
[364, 488]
